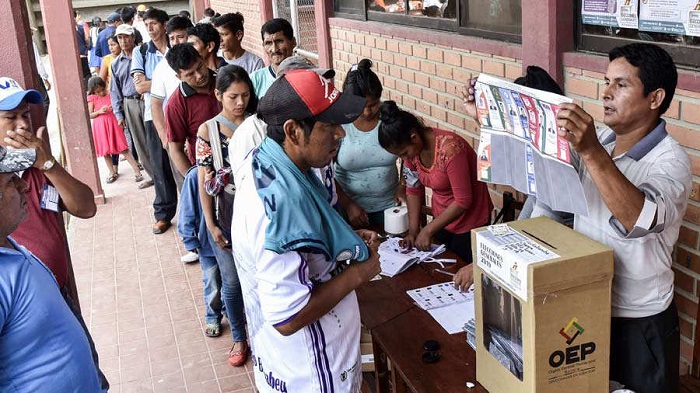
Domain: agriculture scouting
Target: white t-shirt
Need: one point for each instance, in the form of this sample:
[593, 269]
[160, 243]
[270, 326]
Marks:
[321, 357]
[164, 82]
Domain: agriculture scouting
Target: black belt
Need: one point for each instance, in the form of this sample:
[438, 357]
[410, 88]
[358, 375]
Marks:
[134, 97]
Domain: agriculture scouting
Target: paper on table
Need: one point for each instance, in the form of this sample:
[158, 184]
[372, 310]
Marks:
[452, 318]
[394, 259]
[447, 305]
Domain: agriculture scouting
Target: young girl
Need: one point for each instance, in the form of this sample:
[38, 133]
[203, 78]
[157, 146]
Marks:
[108, 136]
[234, 90]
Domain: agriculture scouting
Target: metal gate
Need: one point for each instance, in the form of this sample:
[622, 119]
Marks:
[301, 14]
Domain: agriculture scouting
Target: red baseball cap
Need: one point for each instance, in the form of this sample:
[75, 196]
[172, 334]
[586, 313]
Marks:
[302, 94]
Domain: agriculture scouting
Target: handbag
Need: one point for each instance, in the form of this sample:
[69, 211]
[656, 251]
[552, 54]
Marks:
[224, 199]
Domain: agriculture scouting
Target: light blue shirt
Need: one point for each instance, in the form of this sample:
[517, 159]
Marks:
[146, 65]
[43, 347]
[365, 171]
[262, 80]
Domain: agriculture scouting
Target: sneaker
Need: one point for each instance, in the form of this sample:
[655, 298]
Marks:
[190, 257]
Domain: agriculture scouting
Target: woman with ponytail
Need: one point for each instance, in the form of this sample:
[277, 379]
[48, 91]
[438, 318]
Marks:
[364, 170]
[444, 162]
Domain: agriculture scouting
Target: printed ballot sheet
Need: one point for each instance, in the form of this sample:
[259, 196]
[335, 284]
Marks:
[519, 145]
[446, 304]
[394, 259]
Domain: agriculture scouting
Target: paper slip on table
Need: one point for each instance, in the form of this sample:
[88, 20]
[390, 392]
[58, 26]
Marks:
[399, 328]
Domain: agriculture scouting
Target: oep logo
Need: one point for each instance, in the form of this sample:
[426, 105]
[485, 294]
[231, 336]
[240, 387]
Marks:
[573, 353]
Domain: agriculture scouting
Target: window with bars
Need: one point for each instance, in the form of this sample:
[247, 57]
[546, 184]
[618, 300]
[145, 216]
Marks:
[497, 19]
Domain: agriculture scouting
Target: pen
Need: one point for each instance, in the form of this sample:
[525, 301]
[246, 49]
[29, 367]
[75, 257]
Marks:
[445, 272]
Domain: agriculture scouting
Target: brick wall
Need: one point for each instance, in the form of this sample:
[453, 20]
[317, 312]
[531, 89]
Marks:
[252, 21]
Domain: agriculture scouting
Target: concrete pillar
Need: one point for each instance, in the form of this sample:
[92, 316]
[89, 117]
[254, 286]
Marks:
[16, 53]
[197, 7]
[548, 32]
[59, 27]
[323, 11]
[266, 11]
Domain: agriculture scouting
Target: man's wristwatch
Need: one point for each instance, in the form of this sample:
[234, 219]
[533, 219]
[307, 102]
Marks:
[48, 164]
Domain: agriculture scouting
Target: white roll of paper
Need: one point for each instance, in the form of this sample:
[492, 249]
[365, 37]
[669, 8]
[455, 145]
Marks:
[396, 220]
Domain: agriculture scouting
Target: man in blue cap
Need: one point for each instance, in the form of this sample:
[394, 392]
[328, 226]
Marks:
[49, 190]
[102, 46]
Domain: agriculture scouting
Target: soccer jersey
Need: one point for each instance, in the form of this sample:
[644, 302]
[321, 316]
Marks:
[321, 357]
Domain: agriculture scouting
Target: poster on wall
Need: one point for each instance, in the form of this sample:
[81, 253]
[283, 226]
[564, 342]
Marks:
[670, 16]
[613, 13]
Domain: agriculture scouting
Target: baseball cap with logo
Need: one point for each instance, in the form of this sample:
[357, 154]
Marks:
[302, 94]
[124, 29]
[16, 160]
[114, 18]
[12, 94]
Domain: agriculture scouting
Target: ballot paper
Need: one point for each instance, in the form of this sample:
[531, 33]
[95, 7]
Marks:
[394, 259]
[446, 304]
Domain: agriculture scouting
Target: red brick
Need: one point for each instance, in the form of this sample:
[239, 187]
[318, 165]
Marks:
[471, 62]
[692, 214]
[360, 38]
[435, 55]
[687, 93]
[513, 72]
[406, 49]
[453, 58]
[674, 111]
[423, 79]
[366, 52]
[408, 75]
[572, 70]
[389, 83]
[387, 57]
[423, 108]
[494, 68]
[427, 67]
[460, 77]
[695, 192]
[436, 84]
[594, 75]
[443, 71]
[402, 86]
[380, 43]
[438, 113]
[413, 63]
[690, 112]
[376, 54]
[420, 51]
[415, 91]
[686, 328]
[688, 236]
[455, 120]
[684, 281]
[430, 96]
[370, 41]
[510, 59]
[350, 37]
[687, 137]
[392, 46]
[397, 97]
[581, 87]
[686, 306]
[409, 102]
[400, 60]
[695, 164]
[688, 259]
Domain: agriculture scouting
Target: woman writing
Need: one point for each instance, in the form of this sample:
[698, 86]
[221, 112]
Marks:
[444, 162]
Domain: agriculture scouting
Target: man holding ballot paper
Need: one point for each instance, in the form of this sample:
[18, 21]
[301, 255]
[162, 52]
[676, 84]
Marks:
[636, 180]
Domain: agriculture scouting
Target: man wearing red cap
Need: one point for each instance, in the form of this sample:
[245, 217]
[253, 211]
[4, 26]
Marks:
[299, 262]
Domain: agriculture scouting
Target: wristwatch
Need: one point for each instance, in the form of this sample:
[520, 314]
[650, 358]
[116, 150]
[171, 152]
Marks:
[48, 164]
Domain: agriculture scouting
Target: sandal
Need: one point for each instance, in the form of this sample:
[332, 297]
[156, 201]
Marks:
[138, 178]
[213, 330]
[238, 358]
[112, 178]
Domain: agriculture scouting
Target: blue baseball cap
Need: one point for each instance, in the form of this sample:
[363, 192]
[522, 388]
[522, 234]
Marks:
[12, 94]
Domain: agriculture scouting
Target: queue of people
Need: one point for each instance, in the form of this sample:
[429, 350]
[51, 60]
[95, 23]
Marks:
[249, 148]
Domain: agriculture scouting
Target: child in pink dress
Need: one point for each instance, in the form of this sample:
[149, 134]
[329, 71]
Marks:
[107, 134]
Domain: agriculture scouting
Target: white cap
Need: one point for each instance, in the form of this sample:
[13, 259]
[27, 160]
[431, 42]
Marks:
[124, 29]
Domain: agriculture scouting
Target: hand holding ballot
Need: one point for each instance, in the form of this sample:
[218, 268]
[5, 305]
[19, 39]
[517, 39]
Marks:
[468, 94]
[464, 277]
[577, 126]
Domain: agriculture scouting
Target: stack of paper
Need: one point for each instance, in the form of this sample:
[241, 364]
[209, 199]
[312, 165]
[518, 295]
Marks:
[446, 304]
[394, 259]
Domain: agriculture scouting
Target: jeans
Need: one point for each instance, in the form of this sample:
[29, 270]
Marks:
[165, 203]
[231, 293]
[211, 278]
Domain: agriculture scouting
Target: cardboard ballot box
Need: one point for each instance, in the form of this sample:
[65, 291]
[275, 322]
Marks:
[542, 308]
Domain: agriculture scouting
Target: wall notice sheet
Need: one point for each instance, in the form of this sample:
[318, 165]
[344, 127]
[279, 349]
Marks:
[613, 13]
[670, 16]
[519, 145]
[446, 304]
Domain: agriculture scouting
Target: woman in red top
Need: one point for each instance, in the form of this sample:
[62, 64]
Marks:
[444, 162]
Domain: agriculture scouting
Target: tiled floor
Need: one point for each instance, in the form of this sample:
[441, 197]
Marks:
[143, 306]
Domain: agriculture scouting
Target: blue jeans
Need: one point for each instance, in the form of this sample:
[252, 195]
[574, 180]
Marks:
[231, 292]
[211, 278]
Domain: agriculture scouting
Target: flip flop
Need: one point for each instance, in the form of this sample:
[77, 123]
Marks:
[112, 178]
[138, 178]
[213, 330]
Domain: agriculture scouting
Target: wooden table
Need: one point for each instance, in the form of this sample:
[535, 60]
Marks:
[399, 328]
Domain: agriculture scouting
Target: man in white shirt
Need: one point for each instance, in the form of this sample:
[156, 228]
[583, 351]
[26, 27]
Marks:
[301, 307]
[637, 180]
